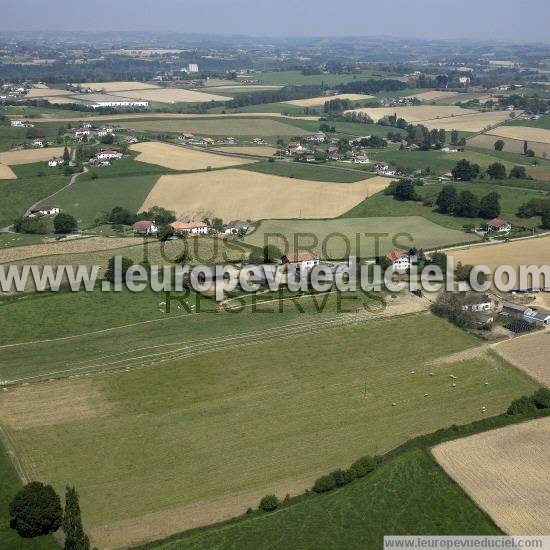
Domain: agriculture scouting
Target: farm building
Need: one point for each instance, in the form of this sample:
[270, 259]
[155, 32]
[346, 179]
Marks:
[44, 210]
[361, 159]
[56, 161]
[100, 104]
[482, 302]
[145, 227]
[303, 261]
[108, 154]
[236, 226]
[190, 228]
[401, 261]
[525, 313]
[498, 225]
[539, 317]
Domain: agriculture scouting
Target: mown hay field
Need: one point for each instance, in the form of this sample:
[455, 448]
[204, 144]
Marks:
[526, 133]
[242, 194]
[515, 253]
[182, 158]
[6, 173]
[120, 86]
[530, 353]
[447, 117]
[507, 473]
[319, 101]
[27, 156]
[69, 246]
[174, 95]
[487, 141]
[221, 126]
[340, 238]
[205, 436]
[45, 93]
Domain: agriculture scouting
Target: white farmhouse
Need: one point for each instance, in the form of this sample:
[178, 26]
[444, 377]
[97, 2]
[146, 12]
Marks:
[145, 227]
[400, 261]
[303, 261]
[499, 225]
[56, 161]
[109, 154]
[190, 228]
[44, 210]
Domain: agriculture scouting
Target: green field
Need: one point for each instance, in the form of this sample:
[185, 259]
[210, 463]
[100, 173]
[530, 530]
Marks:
[303, 171]
[29, 187]
[198, 429]
[385, 205]
[354, 235]
[8, 537]
[409, 495]
[88, 198]
[543, 122]
[296, 78]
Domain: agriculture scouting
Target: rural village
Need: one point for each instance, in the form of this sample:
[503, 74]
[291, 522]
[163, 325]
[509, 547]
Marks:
[165, 419]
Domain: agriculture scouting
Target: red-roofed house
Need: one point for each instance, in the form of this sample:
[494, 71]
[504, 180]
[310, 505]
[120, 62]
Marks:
[401, 261]
[145, 227]
[499, 225]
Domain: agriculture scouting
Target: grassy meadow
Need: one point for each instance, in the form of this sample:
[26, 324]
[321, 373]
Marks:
[408, 495]
[355, 234]
[265, 417]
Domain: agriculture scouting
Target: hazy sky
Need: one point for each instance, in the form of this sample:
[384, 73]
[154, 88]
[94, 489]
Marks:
[509, 20]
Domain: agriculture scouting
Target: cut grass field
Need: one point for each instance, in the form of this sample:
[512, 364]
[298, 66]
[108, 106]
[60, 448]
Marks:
[408, 495]
[118, 86]
[529, 353]
[6, 173]
[539, 135]
[507, 473]
[255, 127]
[27, 156]
[29, 187]
[339, 238]
[242, 194]
[487, 141]
[174, 95]
[296, 78]
[510, 201]
[446, 117]
[256, 150]
[183, 158]
[320, 101]
[198, 453]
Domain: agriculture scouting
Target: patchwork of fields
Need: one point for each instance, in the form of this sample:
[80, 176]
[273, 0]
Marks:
[506, 472]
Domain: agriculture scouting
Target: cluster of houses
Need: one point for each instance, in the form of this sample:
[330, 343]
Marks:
[12, 91]
[87, 131]
[105, 157]
[184, 227]
[18, 123]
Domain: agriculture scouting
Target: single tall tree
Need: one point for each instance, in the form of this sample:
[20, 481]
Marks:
[499, 145]
[66, 154]
[489, 205]
[75, 537]
[497, 171]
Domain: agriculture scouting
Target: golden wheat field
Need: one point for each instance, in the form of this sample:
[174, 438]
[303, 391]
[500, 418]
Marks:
[447, 117]
[6, 173]
[515, 253]
[119, 86]
[27, 156]
[539, 135]
[530, 353]
[96, 97]
[183, 158]
[319, 101]
[507, 473]
[44, 92]
[231, 194]
[174, 95]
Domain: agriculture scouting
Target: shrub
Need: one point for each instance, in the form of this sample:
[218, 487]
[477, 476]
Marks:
[362, 466]
[341, 477]
[35, 510]
[522, 405]
[269, 503]
[324, 484]
[541, 398]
